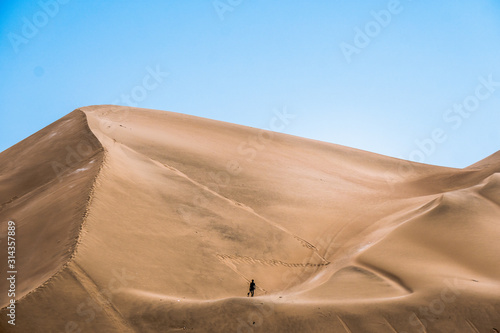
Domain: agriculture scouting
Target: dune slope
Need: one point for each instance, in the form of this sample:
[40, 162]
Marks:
[163, 219]
[45, 184]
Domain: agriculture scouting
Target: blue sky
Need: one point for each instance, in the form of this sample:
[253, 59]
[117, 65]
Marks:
[417, 80]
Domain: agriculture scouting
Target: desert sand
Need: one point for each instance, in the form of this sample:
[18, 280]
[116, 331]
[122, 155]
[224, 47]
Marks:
[136, 220]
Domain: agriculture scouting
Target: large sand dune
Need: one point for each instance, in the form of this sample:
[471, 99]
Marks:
[135, 220]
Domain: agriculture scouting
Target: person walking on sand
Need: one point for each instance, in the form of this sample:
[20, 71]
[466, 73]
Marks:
[252, 288]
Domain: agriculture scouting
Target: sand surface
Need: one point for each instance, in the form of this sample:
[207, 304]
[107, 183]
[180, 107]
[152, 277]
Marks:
[136, 220]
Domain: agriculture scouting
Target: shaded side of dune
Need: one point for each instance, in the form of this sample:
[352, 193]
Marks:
[46, 184]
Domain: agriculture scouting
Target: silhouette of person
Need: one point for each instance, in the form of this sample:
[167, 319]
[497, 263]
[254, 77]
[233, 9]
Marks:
[252, 288]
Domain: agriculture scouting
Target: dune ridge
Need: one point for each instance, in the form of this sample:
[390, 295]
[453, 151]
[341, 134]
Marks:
[178, 213]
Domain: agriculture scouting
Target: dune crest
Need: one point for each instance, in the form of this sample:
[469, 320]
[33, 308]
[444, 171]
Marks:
[153, 221]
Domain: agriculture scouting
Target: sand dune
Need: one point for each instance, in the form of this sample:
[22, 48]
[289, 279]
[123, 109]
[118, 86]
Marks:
[135, 220]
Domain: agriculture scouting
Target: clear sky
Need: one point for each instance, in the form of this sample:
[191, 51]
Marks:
[417, 79]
